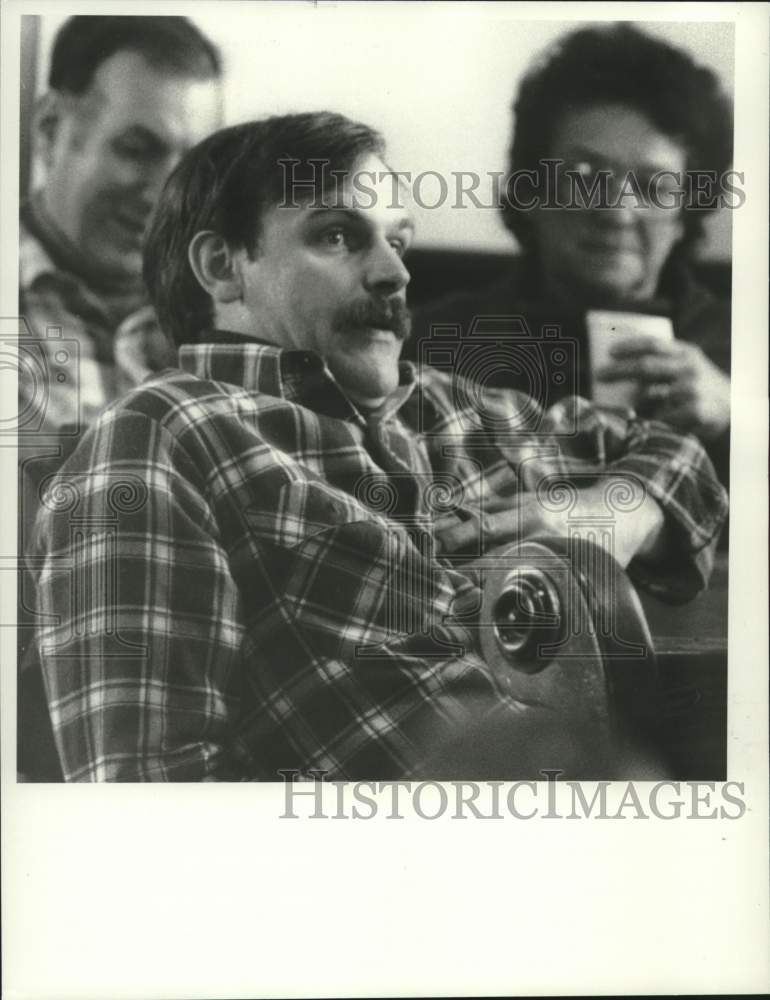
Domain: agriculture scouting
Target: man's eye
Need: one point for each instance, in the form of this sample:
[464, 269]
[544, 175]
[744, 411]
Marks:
[132, 149]
[399, 246]
[336, 237]
[340, 238]
[583, 167]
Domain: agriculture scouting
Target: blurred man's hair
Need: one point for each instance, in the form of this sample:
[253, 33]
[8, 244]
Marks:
[620, 65]
[226, 183]
[173, 44]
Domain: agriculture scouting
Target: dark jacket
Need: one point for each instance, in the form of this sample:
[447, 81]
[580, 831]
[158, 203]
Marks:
[521, 341]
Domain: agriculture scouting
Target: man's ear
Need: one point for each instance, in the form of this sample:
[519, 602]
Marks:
[214, 265]
[50, 112]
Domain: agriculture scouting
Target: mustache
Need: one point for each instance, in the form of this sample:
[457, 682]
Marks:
[388, 314]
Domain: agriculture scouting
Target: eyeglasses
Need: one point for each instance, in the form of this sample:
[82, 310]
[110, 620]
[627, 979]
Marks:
[583, 183]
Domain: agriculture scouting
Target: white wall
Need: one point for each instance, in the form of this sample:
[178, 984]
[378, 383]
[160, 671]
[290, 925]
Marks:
[436, 79]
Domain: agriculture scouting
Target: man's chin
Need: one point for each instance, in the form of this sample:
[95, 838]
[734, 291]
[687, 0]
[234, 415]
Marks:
[366, 378]
[605, 287]
[120, 263]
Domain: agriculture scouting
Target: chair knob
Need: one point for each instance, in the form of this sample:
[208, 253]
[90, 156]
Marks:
[526, 616]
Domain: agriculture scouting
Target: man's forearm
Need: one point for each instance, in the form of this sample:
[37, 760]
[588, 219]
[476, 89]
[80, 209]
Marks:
[639, 525]
[637, 519]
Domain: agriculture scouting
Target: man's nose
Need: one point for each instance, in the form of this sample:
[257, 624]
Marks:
[617, 213]
[385, 272]
[153, 176]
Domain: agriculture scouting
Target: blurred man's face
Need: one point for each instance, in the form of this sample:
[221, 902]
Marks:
[330, 278]
[111, 149]
[597, 256]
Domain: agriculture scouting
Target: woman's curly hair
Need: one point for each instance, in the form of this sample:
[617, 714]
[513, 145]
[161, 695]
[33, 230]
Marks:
[620, 65]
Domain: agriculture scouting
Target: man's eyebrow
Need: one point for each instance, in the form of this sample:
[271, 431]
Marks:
[586, 152]
[354, 214]
[578, 150]
[138, 131]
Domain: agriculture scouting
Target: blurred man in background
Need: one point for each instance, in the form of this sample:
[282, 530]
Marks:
[127, 97]
[608, 103]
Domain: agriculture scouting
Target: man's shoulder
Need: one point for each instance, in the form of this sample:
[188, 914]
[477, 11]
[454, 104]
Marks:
[186, 408]
[173, 419]
[175, 395]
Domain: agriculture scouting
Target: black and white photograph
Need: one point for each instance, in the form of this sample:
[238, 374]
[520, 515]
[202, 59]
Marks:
[385, 448]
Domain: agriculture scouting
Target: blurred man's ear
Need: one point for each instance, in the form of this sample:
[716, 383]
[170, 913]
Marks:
[50, 110]
[213, 264]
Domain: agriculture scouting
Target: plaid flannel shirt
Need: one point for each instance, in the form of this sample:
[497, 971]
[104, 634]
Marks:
[108, 350]
[239, 572]
[79, 349]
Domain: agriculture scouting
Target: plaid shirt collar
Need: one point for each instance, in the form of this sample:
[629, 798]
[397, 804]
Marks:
[300, 377]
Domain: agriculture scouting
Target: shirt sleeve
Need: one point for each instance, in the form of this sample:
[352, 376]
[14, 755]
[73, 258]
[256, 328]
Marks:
[141, 636]
[506, 443]
[590, 444]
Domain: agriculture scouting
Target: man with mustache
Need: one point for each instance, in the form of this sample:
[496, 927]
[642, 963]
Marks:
[245, 567]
